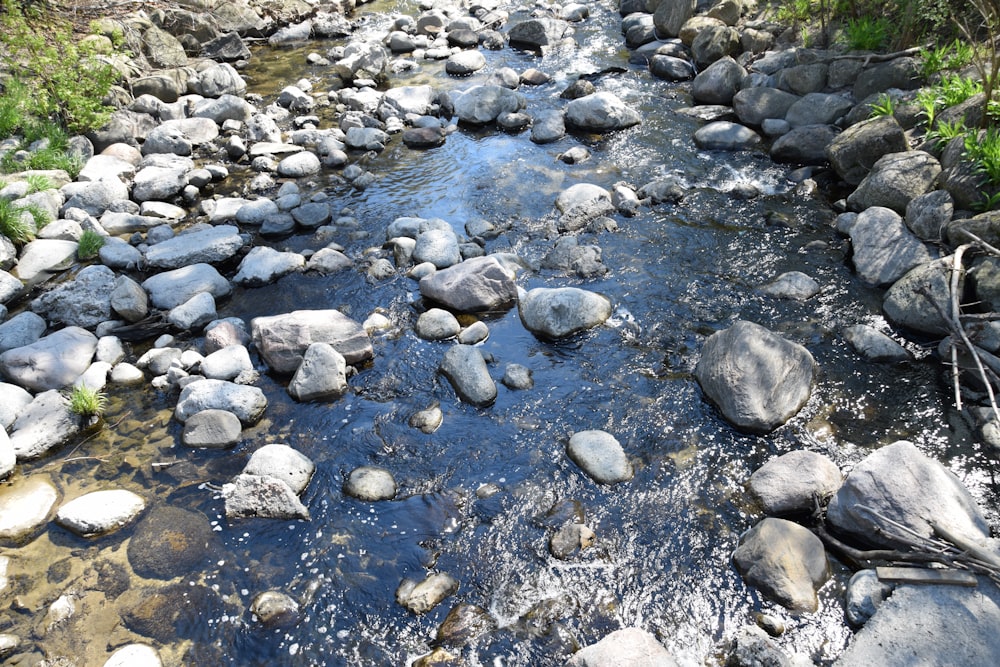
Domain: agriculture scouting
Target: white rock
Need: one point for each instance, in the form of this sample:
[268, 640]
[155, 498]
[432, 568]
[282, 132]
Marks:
[100, 512]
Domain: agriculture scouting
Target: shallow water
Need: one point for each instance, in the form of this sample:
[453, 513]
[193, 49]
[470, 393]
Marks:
[665, 539]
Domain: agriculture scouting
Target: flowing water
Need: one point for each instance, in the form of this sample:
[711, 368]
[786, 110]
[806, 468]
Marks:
[677, 273]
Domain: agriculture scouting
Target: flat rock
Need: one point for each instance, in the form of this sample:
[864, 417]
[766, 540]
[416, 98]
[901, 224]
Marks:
[264, 265]
[874, 345]
[100, 512]
[44, 424]
[792, 285]
[25, 507]
[170, 542]
[263, 497]
[23, 329]
[725, 136]
[211, 245]
[52, 362]
[600, 455]
[247, 403]
[84, 301]
[135, 655]
[172, 288]
[562, 311]
[42, 257]
[283, 339]
[227, 363]
[758, 379]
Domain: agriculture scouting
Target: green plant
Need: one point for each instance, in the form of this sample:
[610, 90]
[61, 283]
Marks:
[89, 245]
[884, 106]
[945, 131]
[955, 55]
[866, 33]
[981, 30]
[988, 202]
[16, 226]
[983, 148]
[38, 183]
[952, 89]
[86, 402]
[66, 83]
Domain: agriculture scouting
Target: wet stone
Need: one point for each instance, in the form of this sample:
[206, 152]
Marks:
[275, 609]
[600, 455]
[370, 483]
[464, 623]
[25, 507]
[427, 420]
[212, 429]
[170, 542]
[100, 512]
[421, 597]
[571, 539]
[517, 376]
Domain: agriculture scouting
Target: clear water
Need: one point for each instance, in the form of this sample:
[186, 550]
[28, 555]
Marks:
[662, 560]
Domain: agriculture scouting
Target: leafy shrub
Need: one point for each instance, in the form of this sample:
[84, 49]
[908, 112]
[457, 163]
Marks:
[866, 33]
[983, 148]
[67, 84]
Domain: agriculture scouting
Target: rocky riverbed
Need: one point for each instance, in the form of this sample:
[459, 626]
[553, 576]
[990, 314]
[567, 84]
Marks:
[387, 387]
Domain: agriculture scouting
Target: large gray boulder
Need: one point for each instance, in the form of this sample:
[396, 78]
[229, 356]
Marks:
[804, 145]
[901, 73]
[758, 379]
[855, 150]
[818, 109]
[897, 483]
[795, 482]
[52, 362]
[84, 301]
[264, 266]
[94, 197]
[930, 625]
[45, 424]
[895, 179]
[754, 105]
[725, 136]
[562, 311]
[180, 136]
[246, 402]
[718, 83]
[475, 285]
[714, 42]
[670, 15]
[466, 370]
[929, 214]
[539, 33]
[785, 562]
[159, 183]
[479, 105]
[884, 249]
[208, 245]
[633, 647]
[13, 400]
[600, 112]
[23, 329]
[283, 339]
[172, 288]
[218, 80]
[910, 301]
[221, 109]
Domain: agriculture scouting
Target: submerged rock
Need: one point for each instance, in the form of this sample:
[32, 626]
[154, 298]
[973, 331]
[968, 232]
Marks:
[421, 597]
[100, 512]
[170, 542]
[370, 483]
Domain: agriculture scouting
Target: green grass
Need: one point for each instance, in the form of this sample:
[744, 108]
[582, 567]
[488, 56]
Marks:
[955, 55]
[86, 402]
[38, 183]
[90, 245]
[983, 148]
[944, 131]
[17, 227]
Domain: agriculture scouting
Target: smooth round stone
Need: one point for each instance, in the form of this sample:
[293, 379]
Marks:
[600, 455]
[427, 420]
[170, 542]
[370, 483]
[26, 507]
[100, 512]
[476, 332]
[517, 376]
[298, 165]
[134, 655]
[212, 429]
[465, 62]
[437, 324]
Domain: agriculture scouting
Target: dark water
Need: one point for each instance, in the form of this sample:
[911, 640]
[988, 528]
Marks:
[665, 539]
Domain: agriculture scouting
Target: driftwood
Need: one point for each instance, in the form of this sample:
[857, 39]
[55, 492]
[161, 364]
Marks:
[947, 549]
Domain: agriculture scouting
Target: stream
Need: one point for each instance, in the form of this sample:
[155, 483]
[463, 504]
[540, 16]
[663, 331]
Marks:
[480, 497]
